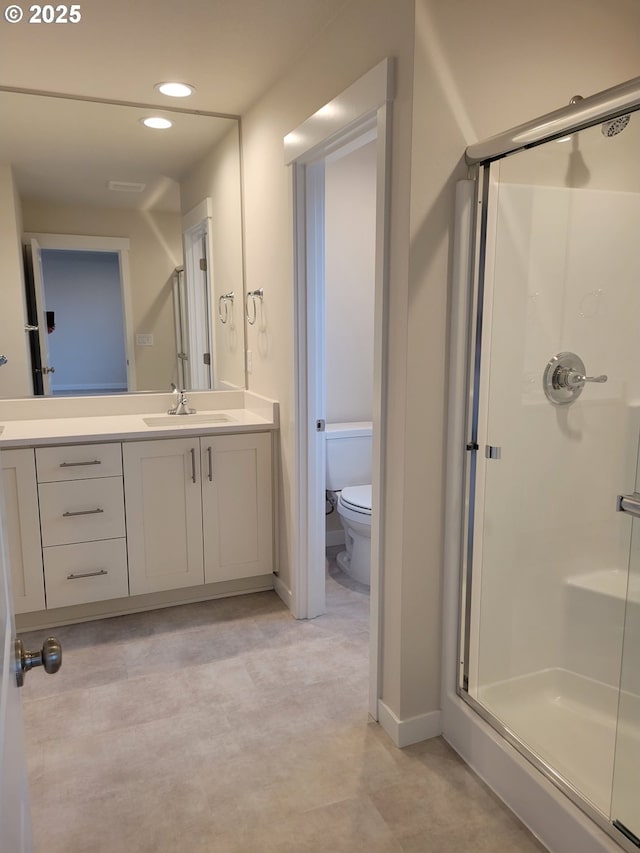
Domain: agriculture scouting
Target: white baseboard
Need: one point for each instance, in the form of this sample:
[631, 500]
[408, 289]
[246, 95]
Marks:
[86, 387]
[413, 730]
[283, 592]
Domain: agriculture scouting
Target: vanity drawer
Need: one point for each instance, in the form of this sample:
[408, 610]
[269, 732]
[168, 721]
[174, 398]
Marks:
[78, 462]
[81, 511]
[89, 571]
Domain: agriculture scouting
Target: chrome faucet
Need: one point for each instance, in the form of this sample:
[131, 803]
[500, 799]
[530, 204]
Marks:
[182, 406]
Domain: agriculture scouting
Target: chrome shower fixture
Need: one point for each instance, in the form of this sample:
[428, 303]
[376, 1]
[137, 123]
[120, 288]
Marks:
[564, 378]
[615, 125]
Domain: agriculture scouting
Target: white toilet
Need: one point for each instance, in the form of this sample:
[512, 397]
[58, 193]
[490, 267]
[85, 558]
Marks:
[349, 448]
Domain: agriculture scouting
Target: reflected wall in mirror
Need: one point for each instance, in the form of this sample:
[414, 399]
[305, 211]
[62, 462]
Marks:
[118, 220]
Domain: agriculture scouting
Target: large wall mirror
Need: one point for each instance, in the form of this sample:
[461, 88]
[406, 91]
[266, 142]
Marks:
[133, 245]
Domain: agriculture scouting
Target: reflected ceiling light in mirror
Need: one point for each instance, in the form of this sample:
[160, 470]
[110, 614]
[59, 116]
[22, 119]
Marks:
[157, 122]
[175, 90]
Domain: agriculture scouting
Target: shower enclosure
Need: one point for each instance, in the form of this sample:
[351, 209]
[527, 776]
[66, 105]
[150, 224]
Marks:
[550, 639]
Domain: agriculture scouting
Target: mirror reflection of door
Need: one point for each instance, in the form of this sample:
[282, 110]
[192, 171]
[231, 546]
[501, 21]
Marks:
[42, 364]
[199, 344]
[81, 320]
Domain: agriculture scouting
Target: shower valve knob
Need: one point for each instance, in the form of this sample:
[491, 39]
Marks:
[565, 377]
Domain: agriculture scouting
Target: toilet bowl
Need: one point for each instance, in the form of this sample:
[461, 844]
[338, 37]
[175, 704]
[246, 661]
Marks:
[348, 477]
[354, 509]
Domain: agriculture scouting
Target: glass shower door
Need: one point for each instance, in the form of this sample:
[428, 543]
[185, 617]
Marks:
[557, 432]
[625, 801]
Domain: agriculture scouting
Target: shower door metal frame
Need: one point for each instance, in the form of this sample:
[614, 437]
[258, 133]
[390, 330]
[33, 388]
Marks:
[589, 112]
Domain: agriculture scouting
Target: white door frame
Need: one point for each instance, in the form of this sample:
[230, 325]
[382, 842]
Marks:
[196, 242]
[363, 107]
[116, 245]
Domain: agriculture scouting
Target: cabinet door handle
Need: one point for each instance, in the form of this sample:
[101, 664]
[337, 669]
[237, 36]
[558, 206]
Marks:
[80, 464]
[82, 512]
[74, 576]
[193, 465]
[210, 458]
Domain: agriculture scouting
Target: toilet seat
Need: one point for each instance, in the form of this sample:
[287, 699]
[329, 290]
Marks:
[357, 499]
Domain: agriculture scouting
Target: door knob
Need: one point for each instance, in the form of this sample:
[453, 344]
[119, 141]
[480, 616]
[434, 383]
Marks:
[49, 656]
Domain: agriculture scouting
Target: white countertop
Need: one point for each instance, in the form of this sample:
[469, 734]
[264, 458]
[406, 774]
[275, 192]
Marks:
[91, 428]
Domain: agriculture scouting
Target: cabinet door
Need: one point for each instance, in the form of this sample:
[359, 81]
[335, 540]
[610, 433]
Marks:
[22, 529]
[163, 514]
[237, 506]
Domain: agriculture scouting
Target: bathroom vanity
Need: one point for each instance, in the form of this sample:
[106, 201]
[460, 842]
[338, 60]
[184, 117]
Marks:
[114, 513]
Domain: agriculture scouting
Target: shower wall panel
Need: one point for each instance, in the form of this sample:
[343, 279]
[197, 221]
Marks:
[562, 281]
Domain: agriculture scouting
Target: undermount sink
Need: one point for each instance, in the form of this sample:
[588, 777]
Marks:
[188, 420]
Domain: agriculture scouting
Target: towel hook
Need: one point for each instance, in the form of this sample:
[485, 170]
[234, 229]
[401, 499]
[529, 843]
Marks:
[225, 299]
[253, 295]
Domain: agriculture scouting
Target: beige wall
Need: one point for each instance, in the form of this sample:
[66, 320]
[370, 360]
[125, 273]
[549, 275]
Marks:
[217, 176]
[15, 376]
[475, 75]
[366, 32]
[155, 251]
[350, 254]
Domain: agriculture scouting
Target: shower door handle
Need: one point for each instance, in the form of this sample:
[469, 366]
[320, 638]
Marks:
[629, 504]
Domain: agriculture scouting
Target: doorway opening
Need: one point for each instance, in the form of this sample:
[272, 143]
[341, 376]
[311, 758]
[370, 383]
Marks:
[356, 118]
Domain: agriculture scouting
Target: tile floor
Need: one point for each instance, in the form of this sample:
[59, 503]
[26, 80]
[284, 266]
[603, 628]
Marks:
[229, 727]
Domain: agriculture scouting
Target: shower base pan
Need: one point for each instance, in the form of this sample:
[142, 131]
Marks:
[568, 720]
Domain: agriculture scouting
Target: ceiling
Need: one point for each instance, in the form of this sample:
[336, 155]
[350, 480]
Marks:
[66, 151]
[230, 50]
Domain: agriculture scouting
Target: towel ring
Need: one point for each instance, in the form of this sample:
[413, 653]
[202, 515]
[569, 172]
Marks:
[253, 295]
[225, 299]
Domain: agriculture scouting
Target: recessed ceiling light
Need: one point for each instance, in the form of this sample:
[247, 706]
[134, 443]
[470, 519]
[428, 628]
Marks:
[156, 122]
[175, 90]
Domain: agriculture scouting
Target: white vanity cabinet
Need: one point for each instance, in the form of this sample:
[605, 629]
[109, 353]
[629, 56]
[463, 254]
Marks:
[22, 529]
[199, 510]
[82, 523]
[135, 519]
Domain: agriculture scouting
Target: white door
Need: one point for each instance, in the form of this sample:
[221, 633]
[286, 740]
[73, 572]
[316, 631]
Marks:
[15, 821]
[43, 334]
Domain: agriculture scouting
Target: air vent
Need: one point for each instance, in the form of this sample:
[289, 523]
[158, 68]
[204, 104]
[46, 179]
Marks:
[125, 186]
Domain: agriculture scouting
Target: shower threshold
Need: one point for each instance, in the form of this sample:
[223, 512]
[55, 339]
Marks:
[567, 720]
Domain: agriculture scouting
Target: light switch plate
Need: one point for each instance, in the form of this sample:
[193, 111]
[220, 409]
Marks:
[144, 340]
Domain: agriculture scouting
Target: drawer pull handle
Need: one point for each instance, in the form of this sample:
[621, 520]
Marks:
[74, 577]
[80, 464]
[193, 466]
[82, 512]
[210, 456]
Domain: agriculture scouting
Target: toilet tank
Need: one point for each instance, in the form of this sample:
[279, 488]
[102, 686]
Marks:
[349, 448]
